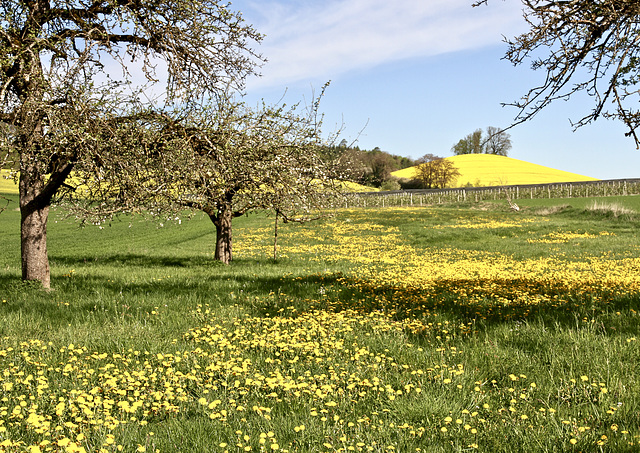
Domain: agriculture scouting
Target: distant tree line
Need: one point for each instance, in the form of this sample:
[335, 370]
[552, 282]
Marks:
[371, 168]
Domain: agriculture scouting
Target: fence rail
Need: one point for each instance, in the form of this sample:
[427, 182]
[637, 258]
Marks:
[424, 197]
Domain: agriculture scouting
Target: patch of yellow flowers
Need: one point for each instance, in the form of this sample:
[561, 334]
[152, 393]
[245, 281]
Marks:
[322, 370]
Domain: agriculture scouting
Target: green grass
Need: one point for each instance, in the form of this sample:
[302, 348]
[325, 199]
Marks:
[436, 329]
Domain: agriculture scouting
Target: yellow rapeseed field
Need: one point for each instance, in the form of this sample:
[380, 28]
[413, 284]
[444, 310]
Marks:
[492, 170]
[7, 185]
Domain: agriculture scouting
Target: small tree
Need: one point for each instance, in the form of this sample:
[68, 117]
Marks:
[435, 172]
[225, 161]
[498, 142]
[471, 144]
[446, 174]
[382, 164]
[391, 184]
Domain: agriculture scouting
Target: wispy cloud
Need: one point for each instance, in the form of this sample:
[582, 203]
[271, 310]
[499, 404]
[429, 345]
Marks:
[311, 40]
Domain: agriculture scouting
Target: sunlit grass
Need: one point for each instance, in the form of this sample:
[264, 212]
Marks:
[379, 330]
[614, 209]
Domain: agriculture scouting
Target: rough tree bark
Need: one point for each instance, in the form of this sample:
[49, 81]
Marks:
[36, 192]
[224, 241]
[34, 211]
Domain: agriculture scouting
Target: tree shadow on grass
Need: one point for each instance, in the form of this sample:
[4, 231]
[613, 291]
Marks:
[133, 260]
[115, 283]
[265, 287]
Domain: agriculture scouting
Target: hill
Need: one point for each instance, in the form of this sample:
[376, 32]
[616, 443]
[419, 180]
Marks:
[493, 170]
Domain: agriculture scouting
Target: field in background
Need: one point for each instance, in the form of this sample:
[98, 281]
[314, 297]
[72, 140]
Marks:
[402, 329]
[470, 196]
[481, 170]
[7, 185]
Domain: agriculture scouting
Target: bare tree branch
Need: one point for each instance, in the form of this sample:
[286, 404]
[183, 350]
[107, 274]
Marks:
[581, 46]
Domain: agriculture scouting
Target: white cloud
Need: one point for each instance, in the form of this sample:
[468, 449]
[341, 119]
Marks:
[319, 40]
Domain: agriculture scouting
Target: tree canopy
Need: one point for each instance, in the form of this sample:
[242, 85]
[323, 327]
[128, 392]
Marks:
[434, 172]
[224, 159]
[367, 167]
[497, 142]
[471, 144]
[62, 103]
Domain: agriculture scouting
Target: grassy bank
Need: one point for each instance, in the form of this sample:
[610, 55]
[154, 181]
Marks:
[425, 329]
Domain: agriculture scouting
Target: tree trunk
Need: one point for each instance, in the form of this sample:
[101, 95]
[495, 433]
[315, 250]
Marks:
[33, 230]
[275, 238]
[222, 221]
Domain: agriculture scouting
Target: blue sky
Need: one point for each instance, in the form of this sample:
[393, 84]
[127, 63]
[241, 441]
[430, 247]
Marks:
[421, 75]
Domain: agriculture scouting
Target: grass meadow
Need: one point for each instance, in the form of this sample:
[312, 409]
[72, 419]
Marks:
[435, 329]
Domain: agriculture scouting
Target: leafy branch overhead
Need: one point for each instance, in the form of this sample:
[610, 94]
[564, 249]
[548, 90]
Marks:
[582, 46]
[203, 44]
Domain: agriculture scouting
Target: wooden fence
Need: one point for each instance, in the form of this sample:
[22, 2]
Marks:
[424, 197]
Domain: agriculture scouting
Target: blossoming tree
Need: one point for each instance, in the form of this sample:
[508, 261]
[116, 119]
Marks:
[58, 60]
[225, 160]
